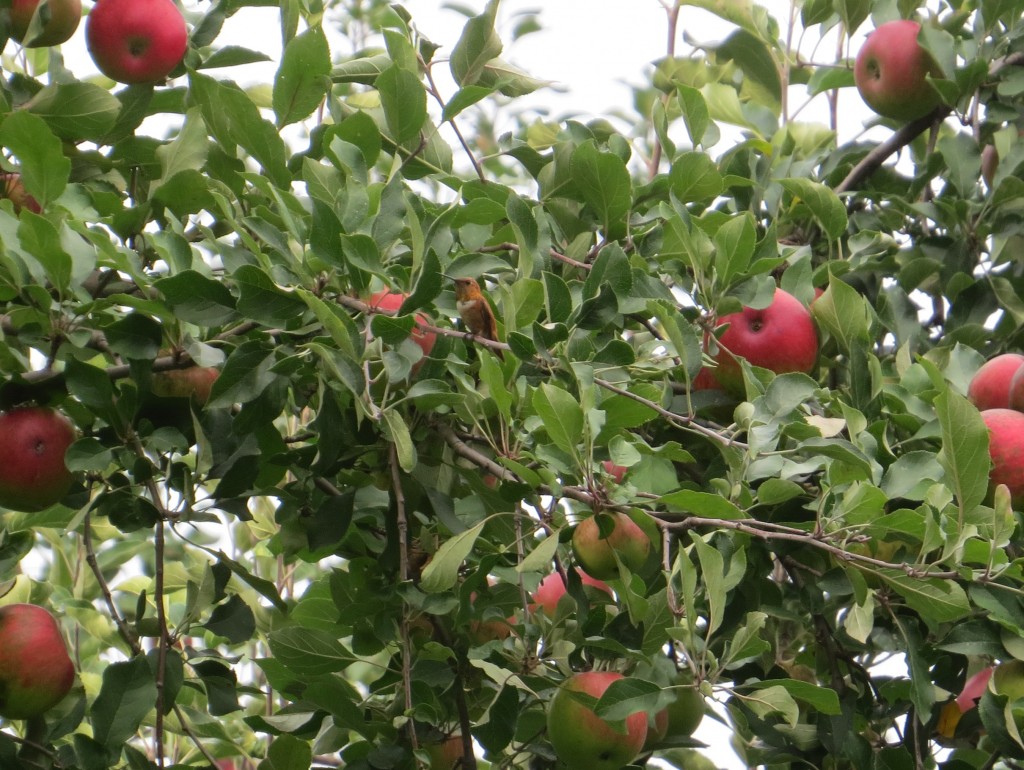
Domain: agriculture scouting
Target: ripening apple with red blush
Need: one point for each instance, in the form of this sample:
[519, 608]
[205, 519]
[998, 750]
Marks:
[781, 337]
[892, 69]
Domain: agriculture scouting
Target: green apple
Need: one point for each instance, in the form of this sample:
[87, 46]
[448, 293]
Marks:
[580, 738]
[552, 588]
[686, 712]
[596, 554]
[58, 21]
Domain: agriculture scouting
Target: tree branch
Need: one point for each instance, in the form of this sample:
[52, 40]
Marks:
[906, 134]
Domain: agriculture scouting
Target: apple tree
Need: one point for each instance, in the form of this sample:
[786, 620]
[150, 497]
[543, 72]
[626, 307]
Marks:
[315, 521]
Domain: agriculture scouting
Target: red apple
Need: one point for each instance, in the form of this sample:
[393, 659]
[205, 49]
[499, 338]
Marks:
[35, 670]
[583, 740]
[891, 70]
[705, 380]
[780, 337]
[1006, 448]
[990, 386]
[33, 475]
[596, 554]
[483, 631]
[1015, 391]
[195, 382]
[391, 301]
[552, 588]
[989, 163]
[657, 729]
[136, 41]
[445, 755]
[59, 20]
[14, 189]
[617, 472]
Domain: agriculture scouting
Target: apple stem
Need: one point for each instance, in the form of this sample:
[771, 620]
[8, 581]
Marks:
[33, 749]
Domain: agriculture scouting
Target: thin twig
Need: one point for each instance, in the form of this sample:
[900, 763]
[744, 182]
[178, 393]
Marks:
[402, 528]
[432, 90]
[108, 598]
[682, 421]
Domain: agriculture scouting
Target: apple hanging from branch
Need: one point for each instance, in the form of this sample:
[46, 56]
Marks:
[35, 670]
[580, 738]
[596, 552]
[33, 475]
[58, 21]
[780, 337]
[136, 41]
[891, 72]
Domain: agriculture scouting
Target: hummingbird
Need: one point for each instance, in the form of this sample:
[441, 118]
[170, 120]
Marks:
[475, 311]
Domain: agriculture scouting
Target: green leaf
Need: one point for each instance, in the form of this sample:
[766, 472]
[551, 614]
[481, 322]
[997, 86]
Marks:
[734, 247]
[713, 573]
[235, 121]
[246, 374]
[197, 299]
[128, 694]
[232, 56]
[337, 323]
[759, 66]
[939, 601]
[852, 12]
[44, 169]
[266, 588]
[309, 652]
[826, 207]
[964, 454]
[603, 180]
[478, 44]
[773, 700]
[695, 112]
[747, 642]
[397, 432]
[539, 559]
[561, 414]
[263, 300]
[90, 385]
[845, 314]
[464, 98]
[442, 572]
[187, 151]
[822, 699]
[289, 753]
[629, 695]
[703, 504]
[404, 100]
[76, 111]
[303, 78]
[694, 177]
[363, 70]
[233, 620]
